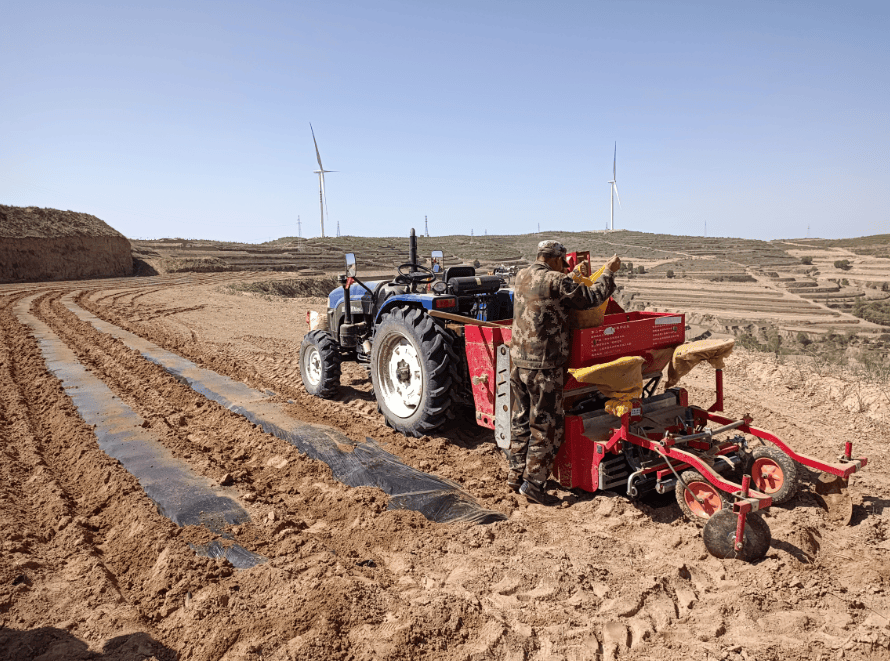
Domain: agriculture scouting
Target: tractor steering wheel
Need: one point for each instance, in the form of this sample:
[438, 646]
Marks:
[417, 274]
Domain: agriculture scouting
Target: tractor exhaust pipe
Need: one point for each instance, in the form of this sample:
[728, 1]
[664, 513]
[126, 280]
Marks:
[412, 247]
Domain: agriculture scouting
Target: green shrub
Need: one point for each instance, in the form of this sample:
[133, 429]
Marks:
[641, 269]
[843, 264]
[803, 339]
[669, 274]
[806, 260]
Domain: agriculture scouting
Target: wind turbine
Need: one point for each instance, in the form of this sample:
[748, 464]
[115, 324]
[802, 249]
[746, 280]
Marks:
[322, 199]
[613, 190]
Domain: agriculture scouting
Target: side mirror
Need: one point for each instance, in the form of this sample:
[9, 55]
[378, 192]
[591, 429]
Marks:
[437, 259]
[350, 265]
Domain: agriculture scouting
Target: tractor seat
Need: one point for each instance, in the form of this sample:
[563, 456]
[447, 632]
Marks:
[459, 272]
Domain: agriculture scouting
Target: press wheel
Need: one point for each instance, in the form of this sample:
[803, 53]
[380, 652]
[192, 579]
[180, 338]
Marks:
[719, 536]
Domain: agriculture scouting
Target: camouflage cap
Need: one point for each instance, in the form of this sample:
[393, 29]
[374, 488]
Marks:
[551, 248]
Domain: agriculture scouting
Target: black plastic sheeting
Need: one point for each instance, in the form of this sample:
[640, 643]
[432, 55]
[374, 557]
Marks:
[355, 464]
[179, 494]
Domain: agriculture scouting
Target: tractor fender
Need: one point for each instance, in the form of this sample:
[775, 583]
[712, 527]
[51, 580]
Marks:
[424, 301]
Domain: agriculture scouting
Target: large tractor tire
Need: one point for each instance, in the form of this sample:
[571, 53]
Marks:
[320, 364]
[411, 369]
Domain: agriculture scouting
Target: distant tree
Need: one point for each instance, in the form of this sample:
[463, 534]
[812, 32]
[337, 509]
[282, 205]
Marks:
[803, 339]
[628, 265]
[885, 286]
[670, 273]
[858, 306]
[845, 282]
[843, 264]
[641, 269]
[806, 260]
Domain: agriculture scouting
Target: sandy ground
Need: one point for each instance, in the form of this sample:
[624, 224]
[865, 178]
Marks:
[90, 570]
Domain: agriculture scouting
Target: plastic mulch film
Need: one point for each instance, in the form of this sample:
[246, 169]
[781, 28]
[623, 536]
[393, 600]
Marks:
[620, 380]
[357, 465]
[687, 356]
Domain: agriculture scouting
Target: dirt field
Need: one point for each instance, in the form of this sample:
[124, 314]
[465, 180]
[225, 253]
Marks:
[89, 569]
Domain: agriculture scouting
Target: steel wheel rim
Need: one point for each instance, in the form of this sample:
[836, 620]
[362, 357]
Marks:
[767, 475]
[401, 376]
[711, 500]
[312, 365]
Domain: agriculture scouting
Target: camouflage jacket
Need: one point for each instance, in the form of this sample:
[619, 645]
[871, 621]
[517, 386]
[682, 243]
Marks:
[541, 302]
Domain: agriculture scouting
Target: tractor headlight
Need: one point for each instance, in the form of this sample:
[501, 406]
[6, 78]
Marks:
[439, 287]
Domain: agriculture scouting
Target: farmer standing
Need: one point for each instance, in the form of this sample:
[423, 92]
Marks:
[543, 295]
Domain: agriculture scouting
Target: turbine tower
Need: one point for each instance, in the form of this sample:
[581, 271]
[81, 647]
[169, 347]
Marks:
[323, 200]
[613, 190]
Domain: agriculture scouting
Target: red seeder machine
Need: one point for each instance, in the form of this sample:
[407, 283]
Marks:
[663, 443]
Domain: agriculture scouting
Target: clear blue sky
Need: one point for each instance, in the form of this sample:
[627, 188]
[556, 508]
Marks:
[191, 119]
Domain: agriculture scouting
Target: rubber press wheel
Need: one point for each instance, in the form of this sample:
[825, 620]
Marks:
[320, 364]
[719, 536]
[712, 500]
[774, 473]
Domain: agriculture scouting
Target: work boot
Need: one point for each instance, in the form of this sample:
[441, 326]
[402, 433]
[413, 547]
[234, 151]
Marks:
[515, 480]
[537, 494]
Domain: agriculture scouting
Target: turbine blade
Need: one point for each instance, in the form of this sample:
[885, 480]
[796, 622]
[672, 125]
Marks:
[317, 155]
[615, 186]
[614, 160]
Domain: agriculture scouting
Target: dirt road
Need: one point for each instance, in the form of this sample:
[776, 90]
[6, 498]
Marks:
[89, 568]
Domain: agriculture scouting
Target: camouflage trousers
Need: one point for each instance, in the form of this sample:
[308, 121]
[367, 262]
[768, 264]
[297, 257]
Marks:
[538, 421]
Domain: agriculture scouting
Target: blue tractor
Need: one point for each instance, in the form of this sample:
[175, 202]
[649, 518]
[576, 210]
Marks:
[408, 332]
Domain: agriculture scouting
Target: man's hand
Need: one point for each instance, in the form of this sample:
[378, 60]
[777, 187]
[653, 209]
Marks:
[614, 263]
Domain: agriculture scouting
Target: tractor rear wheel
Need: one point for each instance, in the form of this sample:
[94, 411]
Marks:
[774, 473]
[320, 364]
[700, 500]
[411, 369]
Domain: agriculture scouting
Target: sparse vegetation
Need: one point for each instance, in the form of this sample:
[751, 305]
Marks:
[877, 312]
[843, 264]
[669, 274]
[806, 260]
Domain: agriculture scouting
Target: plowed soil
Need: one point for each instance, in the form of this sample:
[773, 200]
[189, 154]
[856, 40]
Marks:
[90, 570]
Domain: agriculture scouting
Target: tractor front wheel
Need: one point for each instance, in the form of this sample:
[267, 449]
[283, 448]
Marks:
[774, 473]
[411, 367]
[320, 364]
[700, 499]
